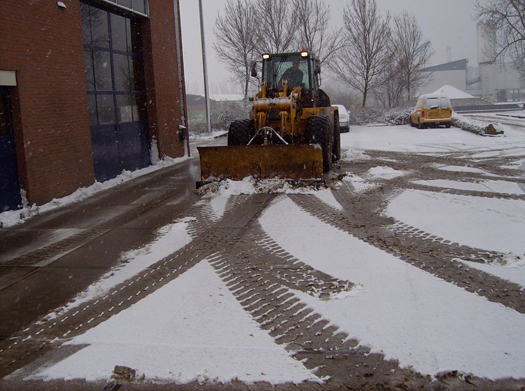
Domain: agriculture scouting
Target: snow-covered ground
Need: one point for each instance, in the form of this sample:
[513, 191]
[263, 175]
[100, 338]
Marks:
[403, 311]
[194, 329]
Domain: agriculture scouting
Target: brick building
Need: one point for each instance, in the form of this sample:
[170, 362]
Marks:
[85, 86]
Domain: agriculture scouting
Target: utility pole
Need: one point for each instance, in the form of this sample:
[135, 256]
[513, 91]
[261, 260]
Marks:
[205, 70]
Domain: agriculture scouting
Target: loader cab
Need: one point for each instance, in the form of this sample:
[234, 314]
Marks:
[278, 67]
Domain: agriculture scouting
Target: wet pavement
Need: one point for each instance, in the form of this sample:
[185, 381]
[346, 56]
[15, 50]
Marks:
[50, 258]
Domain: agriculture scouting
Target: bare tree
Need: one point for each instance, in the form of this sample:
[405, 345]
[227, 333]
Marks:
[249, 28]
[411, 54]
[276, 25]
[313, 22]
[505, 20]
[236, 40]
[390, 91]
[363, 61]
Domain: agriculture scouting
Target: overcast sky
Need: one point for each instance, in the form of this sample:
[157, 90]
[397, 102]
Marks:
[446, 23]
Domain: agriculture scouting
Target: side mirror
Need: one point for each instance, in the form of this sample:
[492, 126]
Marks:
[254, 69]
[317, 66]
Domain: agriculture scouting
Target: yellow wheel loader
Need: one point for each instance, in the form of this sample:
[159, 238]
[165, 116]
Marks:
[293, 131]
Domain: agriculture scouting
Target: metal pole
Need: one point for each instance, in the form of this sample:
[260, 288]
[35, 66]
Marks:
[205, 71]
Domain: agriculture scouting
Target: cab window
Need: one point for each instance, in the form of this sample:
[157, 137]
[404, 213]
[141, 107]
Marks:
[275, 68]
[444, 103]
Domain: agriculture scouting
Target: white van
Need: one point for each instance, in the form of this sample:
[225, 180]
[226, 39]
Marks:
[344, 119]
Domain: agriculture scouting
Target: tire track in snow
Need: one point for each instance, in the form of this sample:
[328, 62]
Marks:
[309, 338]
[423, 250]
[47, 335]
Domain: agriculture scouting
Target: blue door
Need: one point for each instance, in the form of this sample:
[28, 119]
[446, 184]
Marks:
[9, 186]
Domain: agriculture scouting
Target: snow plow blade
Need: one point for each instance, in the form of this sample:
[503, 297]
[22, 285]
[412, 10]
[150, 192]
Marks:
[295, 162]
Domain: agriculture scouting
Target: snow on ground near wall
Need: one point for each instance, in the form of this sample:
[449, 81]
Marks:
[485, 223]
[406, 313]
[404, 138]
[191, 329]
[486, 186]
[14, 217]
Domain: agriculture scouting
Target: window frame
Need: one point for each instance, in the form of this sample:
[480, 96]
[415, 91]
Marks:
[112, 84]
[115, 3]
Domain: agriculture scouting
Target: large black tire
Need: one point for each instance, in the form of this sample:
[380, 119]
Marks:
[318, 131]
[240, 132]
[336, 146]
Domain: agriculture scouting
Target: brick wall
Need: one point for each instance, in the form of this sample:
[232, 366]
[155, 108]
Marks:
[43, 44]
[163, 88]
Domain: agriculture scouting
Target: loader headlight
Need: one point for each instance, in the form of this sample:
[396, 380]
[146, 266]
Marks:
[266, 56]
[304, 54]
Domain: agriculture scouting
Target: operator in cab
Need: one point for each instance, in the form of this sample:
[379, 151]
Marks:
[293, 75]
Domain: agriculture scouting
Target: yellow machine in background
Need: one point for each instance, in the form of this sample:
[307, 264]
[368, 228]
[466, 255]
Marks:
[293, 131]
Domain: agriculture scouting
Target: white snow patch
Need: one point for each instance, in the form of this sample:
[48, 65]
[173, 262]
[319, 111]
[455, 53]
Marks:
[250, 185]
[218, 205]
[511, 269]
[191, 329]
[350, 155]
[485, 223]
[501, 187]
[518, 165]
[383, 172]
[402, 311]
[462, 169]
[208, 136]
[328, 198]
[508, 152]
[220, 192]
[154, 151]
[226, 189]
[358, 184]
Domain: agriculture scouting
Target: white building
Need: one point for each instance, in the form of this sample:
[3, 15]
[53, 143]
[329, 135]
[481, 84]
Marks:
[499, 82]
[492, 81]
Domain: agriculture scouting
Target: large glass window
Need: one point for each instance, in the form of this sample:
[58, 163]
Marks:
[114, 67]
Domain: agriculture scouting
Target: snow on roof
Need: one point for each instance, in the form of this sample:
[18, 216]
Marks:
[452, 92]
